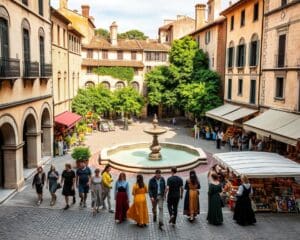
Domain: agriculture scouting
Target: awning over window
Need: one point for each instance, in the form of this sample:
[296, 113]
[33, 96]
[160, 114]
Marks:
[281, 126]
[229, 113]
[67, 119]
[259, 164]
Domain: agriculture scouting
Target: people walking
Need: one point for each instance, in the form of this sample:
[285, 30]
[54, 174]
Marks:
[106, 187]
[38, 182]
[174, 193]
[196, 131]
[243, 212]
[214, 215]
[122, 198]
[68, 182]
[96, 191]
[83, 178]
[138, 210]
[219, 137]
[191, 199]
[52, 183]
[157, 186]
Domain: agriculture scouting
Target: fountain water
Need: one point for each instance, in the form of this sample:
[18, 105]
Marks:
[155, 147]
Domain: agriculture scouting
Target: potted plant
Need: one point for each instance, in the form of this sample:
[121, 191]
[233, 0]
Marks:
[81, 139]
[81, 154]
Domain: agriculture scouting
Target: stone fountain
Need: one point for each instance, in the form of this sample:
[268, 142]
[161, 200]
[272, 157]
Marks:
[155, 147]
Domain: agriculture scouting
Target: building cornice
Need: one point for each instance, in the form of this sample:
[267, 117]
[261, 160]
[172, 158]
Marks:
[292, 3]
[20, 4]
[25, 101]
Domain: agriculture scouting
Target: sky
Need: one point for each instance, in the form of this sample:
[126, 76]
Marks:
[144, 15]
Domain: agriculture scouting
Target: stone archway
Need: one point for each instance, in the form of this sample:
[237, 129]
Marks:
[31, 139]
[11, 174]
[46, 136]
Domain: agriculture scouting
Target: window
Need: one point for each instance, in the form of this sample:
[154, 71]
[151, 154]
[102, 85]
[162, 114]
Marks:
[148, 68]
[26, 51]
[89, 53]
[230, 55]
[241, 52]
[89, 84]
[120, 55]
[42, 54]
[148, 56]
[4, 48]
[104, 54]
[229, 88]
[283, 2]
[64, 38]
[240, 87]
[120, 85]
[133, 55]
[58, 35]
[255, 11]
[232, 23]
[279, 87]
[89, 70]
[41, 7]
[135, 85]
[281, 51]
[157, 56]
[243, 18]
[106, 85]
[58, 86]
[163, 57]
[207, 37]
[254, 51]
[25, 2]
[253, 91]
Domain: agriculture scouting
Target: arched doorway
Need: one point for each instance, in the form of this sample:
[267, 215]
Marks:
[46, 136]
[10, 176]
[31, 149]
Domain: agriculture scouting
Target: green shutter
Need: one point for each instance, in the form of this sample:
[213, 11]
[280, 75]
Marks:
[257, 52]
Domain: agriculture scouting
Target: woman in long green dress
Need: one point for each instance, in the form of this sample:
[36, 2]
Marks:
[214, 215]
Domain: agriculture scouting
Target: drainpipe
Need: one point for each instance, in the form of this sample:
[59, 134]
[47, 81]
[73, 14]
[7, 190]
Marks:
[260, 57]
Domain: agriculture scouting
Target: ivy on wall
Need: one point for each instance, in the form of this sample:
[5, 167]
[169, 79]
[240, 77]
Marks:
[122, 73]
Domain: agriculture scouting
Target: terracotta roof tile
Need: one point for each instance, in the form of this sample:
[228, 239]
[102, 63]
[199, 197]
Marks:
[111, 63]
[126, 44]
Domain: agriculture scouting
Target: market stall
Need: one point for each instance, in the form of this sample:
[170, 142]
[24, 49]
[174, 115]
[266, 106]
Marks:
[273, 178]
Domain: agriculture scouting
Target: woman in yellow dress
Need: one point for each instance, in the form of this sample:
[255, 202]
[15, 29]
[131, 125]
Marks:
[139, 211]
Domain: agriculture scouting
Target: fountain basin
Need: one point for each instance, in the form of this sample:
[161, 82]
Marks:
[134, 157]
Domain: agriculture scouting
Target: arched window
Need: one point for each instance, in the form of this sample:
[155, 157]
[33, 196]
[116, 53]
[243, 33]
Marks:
[241, 53]
[254, 50]
[135, 85]
[42, 51]
[89, 84]
[26, 46]
[106, 85]
[120, 85]
[4, 37]
[230, 52]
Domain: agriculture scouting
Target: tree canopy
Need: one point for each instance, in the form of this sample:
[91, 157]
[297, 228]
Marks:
[131, 34]
[186, 83]
[102, 33]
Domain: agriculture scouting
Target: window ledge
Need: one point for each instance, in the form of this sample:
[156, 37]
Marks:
[253, 67]
[279, 99]
[240, 94]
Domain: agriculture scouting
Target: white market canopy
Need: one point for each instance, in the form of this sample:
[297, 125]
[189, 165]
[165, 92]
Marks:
[258, 164]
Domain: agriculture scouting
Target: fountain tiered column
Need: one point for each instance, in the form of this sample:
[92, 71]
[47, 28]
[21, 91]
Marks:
[155, 147]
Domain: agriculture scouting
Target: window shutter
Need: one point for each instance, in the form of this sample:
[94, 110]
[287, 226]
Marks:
[237, 56]
[244, 53]
[233, 58]
[227, 57]
[250, 53]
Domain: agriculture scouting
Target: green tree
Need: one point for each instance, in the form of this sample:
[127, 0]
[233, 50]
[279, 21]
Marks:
[93, 99]
[132, 34]
[102, 33]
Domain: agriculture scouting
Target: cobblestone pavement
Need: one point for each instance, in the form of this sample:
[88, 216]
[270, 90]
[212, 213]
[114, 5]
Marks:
[20, 218]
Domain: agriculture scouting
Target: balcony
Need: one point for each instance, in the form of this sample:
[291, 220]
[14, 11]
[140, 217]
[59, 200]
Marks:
[46, 71]
[31, 70]
[9, 70]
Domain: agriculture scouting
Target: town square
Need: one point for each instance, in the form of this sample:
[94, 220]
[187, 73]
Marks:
[143, 120]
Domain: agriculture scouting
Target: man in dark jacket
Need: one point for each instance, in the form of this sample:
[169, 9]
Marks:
[157, 186]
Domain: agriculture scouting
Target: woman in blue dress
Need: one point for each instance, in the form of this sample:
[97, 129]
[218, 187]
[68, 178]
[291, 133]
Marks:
[52, 183]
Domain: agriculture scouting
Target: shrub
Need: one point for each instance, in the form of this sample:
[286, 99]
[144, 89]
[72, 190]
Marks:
[81, 154]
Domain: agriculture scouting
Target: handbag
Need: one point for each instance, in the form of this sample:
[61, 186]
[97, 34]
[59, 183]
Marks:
[58, 186]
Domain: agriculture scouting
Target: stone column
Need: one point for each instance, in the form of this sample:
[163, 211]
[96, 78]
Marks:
[33, 149]
[47, 146]
[13, 166]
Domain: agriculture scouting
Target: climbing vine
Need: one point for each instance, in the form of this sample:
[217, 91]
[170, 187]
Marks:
[122, 73]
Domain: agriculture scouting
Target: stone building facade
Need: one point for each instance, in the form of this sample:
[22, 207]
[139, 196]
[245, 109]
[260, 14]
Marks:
[243, 51]
[280, 85]
[26, 112]
[175, 29]
[141, 55]
[66, 61]
[210, 35]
